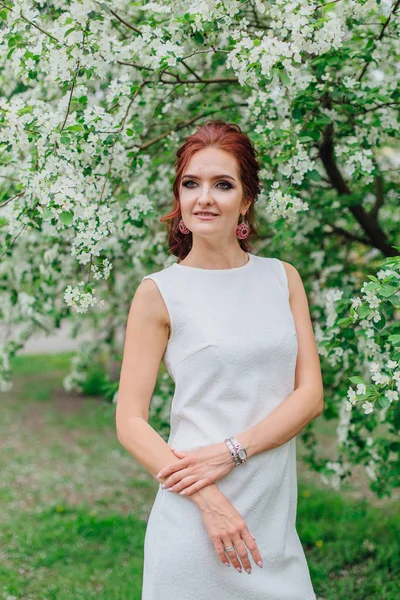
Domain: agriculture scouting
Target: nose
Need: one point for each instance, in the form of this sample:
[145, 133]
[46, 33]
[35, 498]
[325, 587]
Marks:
[205, 195]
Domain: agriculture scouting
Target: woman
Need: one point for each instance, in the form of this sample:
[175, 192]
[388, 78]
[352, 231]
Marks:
[235, 335]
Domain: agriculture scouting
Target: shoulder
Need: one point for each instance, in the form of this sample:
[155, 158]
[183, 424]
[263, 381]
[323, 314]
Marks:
[295, 282]
[149, 297]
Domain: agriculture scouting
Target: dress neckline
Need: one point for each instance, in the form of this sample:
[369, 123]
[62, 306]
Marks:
[247, 265]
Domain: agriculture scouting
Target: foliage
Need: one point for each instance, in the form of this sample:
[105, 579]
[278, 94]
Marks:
[97, 96]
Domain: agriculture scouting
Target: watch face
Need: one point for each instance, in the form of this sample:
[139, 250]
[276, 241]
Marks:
[242, 453]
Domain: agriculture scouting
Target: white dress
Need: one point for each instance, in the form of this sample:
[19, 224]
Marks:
[232, 356]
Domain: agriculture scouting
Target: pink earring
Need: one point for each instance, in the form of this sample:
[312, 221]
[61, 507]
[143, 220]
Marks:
[182, 227]
[242, 230]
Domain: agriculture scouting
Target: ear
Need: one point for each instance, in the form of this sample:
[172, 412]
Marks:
[246, 204]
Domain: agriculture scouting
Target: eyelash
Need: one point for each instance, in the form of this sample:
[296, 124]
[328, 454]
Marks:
[191, 181]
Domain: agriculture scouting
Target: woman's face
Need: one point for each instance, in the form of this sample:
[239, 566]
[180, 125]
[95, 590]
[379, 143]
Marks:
[211, 182]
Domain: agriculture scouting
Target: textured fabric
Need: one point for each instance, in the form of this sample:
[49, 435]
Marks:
[232, 356]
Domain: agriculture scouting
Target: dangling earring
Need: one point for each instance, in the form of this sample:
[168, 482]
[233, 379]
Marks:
[182, 227]
[242, 230]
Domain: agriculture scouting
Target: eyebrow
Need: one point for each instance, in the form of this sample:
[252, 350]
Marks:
[215, 177]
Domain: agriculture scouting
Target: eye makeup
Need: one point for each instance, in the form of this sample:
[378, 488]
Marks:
[226, 183]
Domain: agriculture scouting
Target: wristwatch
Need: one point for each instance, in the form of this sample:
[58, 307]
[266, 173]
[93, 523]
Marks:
[241, 452]
[238, 453]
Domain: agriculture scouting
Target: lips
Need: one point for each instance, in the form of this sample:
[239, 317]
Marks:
[206, 214]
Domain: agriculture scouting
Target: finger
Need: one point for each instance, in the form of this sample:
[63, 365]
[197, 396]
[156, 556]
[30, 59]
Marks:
[176, 478]
[181, 485]
[219, 547]
[241, 551]
[251, 544]
[195, 487]
[231, 554]
[169, 469]
[179, 453]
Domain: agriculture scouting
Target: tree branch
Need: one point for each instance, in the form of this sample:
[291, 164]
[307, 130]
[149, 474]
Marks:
[367, 221]
[380, 36]
[182, 125]
[32, 23]
[348, 235]
[379, 197]
[121, 20]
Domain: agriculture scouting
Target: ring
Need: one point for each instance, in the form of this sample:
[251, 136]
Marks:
[229, 548]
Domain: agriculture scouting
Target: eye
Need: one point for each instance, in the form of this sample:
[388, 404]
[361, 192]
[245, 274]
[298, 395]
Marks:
[227, 186]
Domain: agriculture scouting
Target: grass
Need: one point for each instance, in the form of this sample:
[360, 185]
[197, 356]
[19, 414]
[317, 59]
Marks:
[75, 505]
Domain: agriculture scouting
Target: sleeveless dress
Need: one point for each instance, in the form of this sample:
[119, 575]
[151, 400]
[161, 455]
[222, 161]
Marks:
[232, 356]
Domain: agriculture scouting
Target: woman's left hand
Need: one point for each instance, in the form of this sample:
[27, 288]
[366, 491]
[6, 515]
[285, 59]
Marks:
[197, 469]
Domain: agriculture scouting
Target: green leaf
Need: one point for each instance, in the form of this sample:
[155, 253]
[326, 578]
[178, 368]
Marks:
[284, 77]
[69, 31]
[395, 339]
[387, 290]
[356, 379]
[345, 321]
[77, 127]
[105, 7]
[363, 311]
[25, 110]
[252, 65]
[47, 214]
[198, 37]
[383, 401]
[314, 175]
[371, 287]
[380, 324]
[66, 217]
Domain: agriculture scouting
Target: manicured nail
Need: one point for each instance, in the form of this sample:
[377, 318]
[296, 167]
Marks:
[238, 569]
[249, 571]
[169, 489]
[163, 485]
[260, 564]
[158, 474]
[227, 564]
[182, 493]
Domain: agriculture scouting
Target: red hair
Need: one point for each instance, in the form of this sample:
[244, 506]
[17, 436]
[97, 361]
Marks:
[230, 138]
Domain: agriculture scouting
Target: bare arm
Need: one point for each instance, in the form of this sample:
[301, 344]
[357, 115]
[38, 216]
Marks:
[146, 338]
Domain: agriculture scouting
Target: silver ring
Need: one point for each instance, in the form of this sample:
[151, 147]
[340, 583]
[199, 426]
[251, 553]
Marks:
[229, 548]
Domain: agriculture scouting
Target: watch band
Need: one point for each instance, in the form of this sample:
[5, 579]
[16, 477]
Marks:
[236, 443]
[233, 452]
[238, 446]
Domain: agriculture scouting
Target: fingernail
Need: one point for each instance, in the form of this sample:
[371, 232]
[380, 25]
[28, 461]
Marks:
[158, 474]
[260, 564]
[182, 493]
[163, 485]
[238, 569]
[227, 564]
[249, 571]
[169, 489]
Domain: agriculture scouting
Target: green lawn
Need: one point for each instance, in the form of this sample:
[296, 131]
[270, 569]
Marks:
[75, 504]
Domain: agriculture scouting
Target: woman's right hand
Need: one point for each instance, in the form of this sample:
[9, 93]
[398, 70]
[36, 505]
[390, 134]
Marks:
[226, 527]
